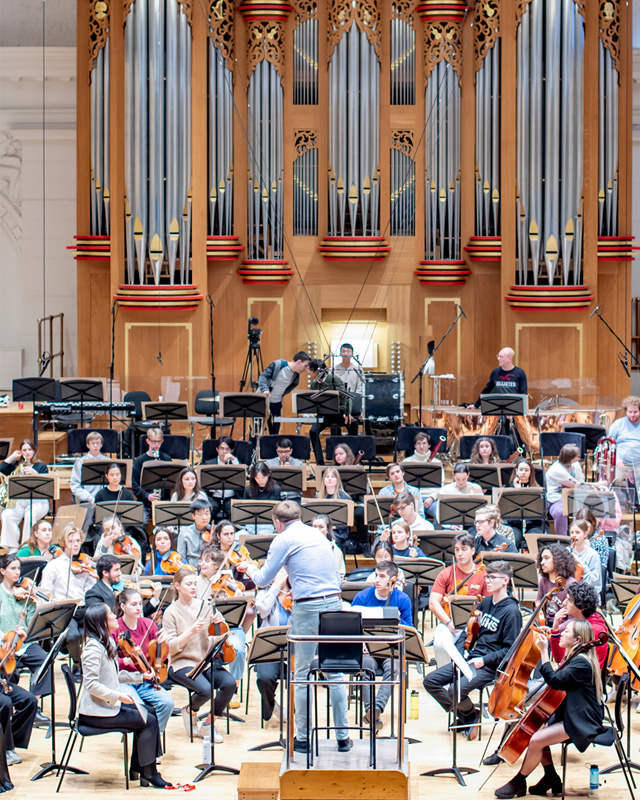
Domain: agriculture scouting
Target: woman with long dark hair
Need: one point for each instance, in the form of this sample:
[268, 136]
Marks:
[262, 485]
[23, 461]
[554, 561]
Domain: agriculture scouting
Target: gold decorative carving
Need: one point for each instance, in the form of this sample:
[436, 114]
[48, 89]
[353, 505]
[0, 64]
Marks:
[304, 10]
[127, 6]
[610, 29]
[486, 28]
[403, 9]
[442, 41]
[186, 8]
[521, 7]
[221, 29]
[265, 43]
[342, 15]
[304, 141]
[580, 6]
[98, 29]
[402, 141]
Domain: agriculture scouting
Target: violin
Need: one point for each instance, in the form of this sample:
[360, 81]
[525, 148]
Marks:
[82, 563]
[124, 546]
[228, 652]
[286, 600]
[511, 687]
[144, 586]
[11, 642]
[206, 534]
[54, 550]
[541, 710]
[226, 585]
[129, 649]
[25, 589]
[473, 624]
[158, 656]
[174, 563]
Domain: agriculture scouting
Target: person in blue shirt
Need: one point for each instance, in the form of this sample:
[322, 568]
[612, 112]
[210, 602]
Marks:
[383, 593]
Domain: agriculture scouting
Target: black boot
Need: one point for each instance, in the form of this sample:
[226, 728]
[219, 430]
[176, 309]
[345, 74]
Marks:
[151, 777]
[550, 781]
[517, 787]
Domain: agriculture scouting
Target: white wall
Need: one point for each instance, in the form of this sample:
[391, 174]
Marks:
[23, 183]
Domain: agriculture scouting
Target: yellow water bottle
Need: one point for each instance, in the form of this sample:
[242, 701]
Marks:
[414, 706]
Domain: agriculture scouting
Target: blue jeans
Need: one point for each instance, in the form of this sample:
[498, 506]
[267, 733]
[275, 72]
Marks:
[159, 699]
[305, 621]
[238, 638]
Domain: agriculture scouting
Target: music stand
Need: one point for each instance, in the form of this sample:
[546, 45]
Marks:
[624, 589]
[602, 504]
[525, 572]
[5, 447]
[422, 476]
[258, 546]
[233, 609]
[48, 622]
[371, 514]
[538, 541]
[130, 512]
[32, 390]
[128, 564]
[207, 661]
[504, 405]
[437, 544]
[292, 480]
[487, 476]
[354, 479]
[460, 607]
[160, 474]
[456, 509]
[349, 589]
[94, 471]
[220, 477]
[33, 487]
[521, 505]
[320, 403]
[252, 512]
[81, 390]
[32, 566]
[163, 412]
[267, 647]
[244, 405]
[423, 571]
[339, 511]
[171, 513]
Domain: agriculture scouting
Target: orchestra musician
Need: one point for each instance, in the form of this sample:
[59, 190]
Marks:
[383, 551]
[384, 593]
[143, 632]
[625, 431]
[579, 718]
[165, 559]
[67, 578]
[323, 379]
[108, 700]
[187, 488]
[330, 488]
[39, 543]
[422, 455]
[353, 378]
[284, 455]
[565, 472]
[155, 437]
[262, 486]
[186, 623]
[220, 499]
[114, 491]
[18, 710]
[224, 537]
[109, 571]
[554, 561]
[484, 451]
[279, 379]
[23, 461]
[343, 455]
[401, 537]
[323, 523]
[499, 623]
[87, 494]
[193, 538]
[581, 603]
[461, 483]
[405, 505]
[523, 477]
[506, 378]
[115, 538]
[315, 584]
[585, 554]
[397, 484]
[487, 519]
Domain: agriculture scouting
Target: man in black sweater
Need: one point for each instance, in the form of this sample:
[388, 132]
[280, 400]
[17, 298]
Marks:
[155, 437]
[500, 622]
[506, 378]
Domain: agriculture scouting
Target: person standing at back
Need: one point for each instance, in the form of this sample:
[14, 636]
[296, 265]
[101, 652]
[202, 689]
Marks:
[278, 379]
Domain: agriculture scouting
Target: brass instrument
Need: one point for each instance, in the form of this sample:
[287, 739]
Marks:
[605, 460]
[4, 485]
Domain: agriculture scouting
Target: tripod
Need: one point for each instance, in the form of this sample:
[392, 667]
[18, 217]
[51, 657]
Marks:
[254, 357]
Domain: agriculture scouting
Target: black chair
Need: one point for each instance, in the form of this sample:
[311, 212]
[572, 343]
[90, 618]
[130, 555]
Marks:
[76, 729]
[552, 443]
[593, 433]
[301, 446]
[77, 440]
[137, 398]
[138, 424]
[407, 433]
[504, 445]
[173, 445]
[610, 736]
[365, 443]
[242, 450]
[207, 405]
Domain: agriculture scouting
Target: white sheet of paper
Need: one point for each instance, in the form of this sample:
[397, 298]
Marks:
[443, 637]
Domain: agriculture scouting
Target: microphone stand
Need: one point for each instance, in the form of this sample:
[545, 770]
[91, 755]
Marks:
[214, 435]
[615, 336]
[419, 373]
[112, 364]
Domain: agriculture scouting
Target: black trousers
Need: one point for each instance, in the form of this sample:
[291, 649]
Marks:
[5, 780]
[439, 685]
[33, 658]
[146, 734]
[73, 640]
[330, 421]
[17, 712]
[275, 410]
[201, 687]
[267, 677]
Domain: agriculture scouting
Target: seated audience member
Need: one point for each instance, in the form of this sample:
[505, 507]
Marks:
[284, 455]
[155, 437]
[193, 538]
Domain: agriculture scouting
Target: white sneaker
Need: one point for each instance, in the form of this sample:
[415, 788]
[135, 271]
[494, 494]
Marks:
[184, 713]
[13, 758]
[217, 736]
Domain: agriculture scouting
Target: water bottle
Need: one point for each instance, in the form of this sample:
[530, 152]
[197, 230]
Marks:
[206, 749]
[594, 777]
[414, 706]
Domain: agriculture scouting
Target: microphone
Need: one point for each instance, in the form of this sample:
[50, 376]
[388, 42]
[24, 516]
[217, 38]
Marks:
[623, 360]
[595, 311]
[461, 311]
[159, 358]
[45, 360]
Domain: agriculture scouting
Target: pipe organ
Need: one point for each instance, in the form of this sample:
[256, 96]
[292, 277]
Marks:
[311, 160]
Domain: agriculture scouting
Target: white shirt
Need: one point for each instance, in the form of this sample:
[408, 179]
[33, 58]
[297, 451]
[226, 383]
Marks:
[351, 376]
[557, 474]
[627, 436]
[64, 584]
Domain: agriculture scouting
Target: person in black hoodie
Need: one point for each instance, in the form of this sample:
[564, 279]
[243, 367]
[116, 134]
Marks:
[500, 623]
[579, 717]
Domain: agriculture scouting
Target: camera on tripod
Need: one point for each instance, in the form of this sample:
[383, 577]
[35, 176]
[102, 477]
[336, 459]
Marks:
[253, 333]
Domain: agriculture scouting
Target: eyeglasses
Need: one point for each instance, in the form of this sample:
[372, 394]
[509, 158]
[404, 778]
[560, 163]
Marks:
[493, 577]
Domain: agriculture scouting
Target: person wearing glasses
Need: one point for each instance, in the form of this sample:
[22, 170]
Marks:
[284, 455]
[155, 437]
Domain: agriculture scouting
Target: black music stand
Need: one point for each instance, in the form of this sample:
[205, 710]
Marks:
[94, 471]
[354, 479]
[220, 477]
[252, 512]
[172, 513]
[32, 566]
[437, 544]
[268, 646]
[460, 608]
[81, 391]
[207, 661]
[538, 541]
[130, 512]
[456, 509]
[48, 622]
[245, 405]
[233, 609]
[423, 571]
[349, 589]
[292, 480]
[525, 571]
[503, 406]
[487, 476]
[422, 476]
[258, 546]
[163, 412]
[33, 487]
[321, 403]
[523, 504]
[32, 390]
[160, 474]
[339, 511]
[371, 514]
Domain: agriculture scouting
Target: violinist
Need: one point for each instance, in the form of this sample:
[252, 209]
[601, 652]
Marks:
[401, 537]
[274, 606]
[397, 484]
[143, 633]
[554, 561]
[186, 623]
[165, 560]
[581, 603]
[109, 569]
[500, 622]
[39, 543]
[64, 580]
[488, 538]
[23, 461]
[115, 540]
[331, 489]
[108, 700]
[578, 719]
[383, 551]
[18, 710]
[462, 571]
[16, 612]
[585, 554]
[193, 539]
[224, 538]
[598, 541]
[405, 506]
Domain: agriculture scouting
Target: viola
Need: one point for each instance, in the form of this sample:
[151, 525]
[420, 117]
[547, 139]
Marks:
[473, 625]
[511, 686]
[124, 546]
[25, 589]
[158, 656]
[82, 563]
[541, 710]
[130, 650]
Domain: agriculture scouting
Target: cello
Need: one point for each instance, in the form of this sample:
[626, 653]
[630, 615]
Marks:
[629, 634]
[511, 686]
[541, 710]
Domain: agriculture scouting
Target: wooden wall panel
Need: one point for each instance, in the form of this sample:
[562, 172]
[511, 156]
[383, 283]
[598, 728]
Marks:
[552, 355]
[439, 313]
[174, 340]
